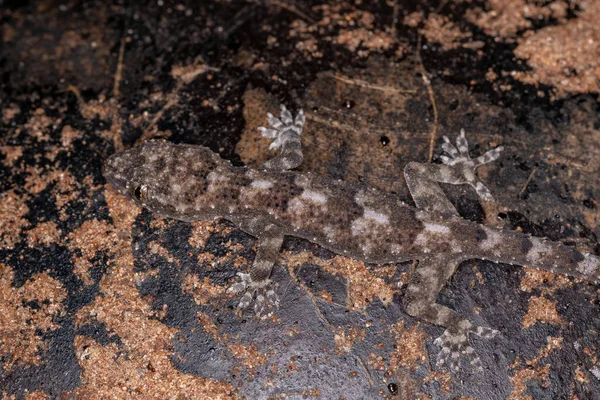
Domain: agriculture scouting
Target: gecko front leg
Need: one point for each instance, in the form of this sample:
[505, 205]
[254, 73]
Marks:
[433, 273]
[285, 132]
[257, 282]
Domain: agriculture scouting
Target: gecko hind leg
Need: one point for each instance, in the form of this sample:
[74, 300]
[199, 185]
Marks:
[459, 156]
[455, 343]
[286, 133]
[420, 301]
[457, 168]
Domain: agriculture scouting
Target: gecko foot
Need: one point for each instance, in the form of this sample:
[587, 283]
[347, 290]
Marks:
[455, 344]
[459, 156]
[284, 127]
[264, 294]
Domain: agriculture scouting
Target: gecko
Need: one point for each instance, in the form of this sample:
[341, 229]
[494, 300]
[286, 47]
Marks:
[190, 182]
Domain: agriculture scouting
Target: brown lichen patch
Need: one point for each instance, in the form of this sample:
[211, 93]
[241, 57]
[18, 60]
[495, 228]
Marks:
[478, 280]
[92, 236]
[141, 365]
[68, 134]
[363, 285]
[9, 112]
[440, 29]
[581, 376]
[357, 38]
[111, 372]
[160, 223]
[355, 29]
[203, 291]
[37, 395]
[445, 379]
[156, 248]
[410, 350]
[544, 281]
[209, 326]
[206, 259]
[565, 56]
[342, 24]
[38, 179]
[43, 234]
[376, 362]
[344, 338]
[293, 331]
[11, 154]
[12, 221]
[98, 108]
[543, 310]
[413, 19]
[504, 18]
[249, 356]
[39, 125]
[310, 48]
[325, 295]
[533, 370]
[187, 73]
[21, 325]
[201, 231]
[34, 182]
[523, 376]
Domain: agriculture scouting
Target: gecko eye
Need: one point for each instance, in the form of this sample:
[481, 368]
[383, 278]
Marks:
[139, 192]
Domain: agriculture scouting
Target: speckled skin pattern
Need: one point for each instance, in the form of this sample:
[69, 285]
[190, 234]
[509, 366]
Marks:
[191, 183]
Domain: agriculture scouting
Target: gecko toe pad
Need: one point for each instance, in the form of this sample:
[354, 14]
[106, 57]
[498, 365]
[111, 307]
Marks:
[258, 291]
[458, 157]
[455, 344]
[283, 126]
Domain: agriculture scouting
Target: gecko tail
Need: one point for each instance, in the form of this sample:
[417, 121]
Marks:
[555, 257]
[520, 249]
[589, 267]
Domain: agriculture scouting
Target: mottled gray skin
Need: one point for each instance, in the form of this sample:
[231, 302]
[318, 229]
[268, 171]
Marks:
[192, 183]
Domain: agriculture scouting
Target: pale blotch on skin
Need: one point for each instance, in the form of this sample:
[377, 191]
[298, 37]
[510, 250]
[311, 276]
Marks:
[176, 188]
[493, 240]
[303, 181]
[366, 248]
[360, 198]
[315, 197]
[261, 184]
[215, 179]
[456, 248]
[538, 249]
[589, 267]
[329, 232]
[396, 248]
[421, 239]
[361, 226]
[376, 216]
[296, 206]
[436, 228]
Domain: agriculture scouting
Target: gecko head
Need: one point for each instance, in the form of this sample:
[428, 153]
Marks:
[128, 171]
[162, 176]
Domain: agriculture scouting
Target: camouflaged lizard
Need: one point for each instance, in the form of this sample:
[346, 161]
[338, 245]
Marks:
[192, 183]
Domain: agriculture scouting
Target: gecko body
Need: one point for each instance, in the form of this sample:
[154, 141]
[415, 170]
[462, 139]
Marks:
[192, 183]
